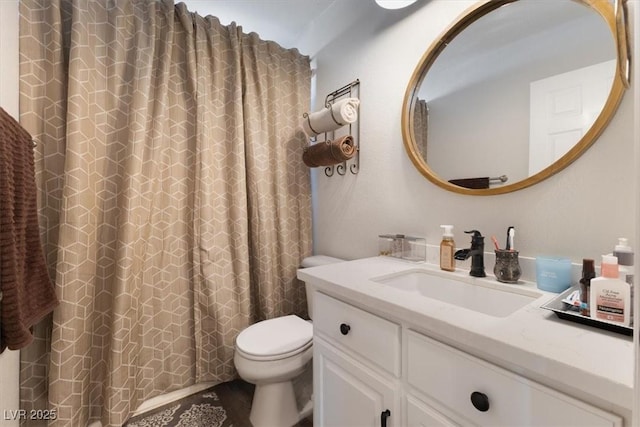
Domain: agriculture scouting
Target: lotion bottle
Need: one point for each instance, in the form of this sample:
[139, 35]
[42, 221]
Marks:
[610, 297]
[624, 252]
[447, 249]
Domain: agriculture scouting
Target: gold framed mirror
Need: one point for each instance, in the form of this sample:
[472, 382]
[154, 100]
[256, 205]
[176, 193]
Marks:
[515, 91]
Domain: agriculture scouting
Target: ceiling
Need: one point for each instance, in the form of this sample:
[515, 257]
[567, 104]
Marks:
[283, 21]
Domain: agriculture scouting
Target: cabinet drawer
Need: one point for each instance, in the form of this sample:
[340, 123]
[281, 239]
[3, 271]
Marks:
[370, 336]
[450, 377]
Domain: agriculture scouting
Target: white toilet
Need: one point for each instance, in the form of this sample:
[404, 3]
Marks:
[270, 354]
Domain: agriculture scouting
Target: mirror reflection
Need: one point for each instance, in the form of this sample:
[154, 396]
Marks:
[512, 93]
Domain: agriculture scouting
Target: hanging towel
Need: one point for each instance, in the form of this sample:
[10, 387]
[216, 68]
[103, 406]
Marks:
[472, 183]
[337, 115]
[27, 292]
[329, 152]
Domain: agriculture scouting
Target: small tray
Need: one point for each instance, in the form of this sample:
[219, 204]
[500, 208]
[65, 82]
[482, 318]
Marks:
[567, 312]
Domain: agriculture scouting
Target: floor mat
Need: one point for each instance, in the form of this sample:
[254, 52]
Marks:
[224, 405]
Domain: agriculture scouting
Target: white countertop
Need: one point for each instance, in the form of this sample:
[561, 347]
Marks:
[588, 363]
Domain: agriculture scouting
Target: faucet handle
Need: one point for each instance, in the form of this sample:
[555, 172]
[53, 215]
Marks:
[477, 240]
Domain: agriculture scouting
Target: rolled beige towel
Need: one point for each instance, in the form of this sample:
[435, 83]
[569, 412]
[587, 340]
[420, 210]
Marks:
[337, 115]
[329, 153]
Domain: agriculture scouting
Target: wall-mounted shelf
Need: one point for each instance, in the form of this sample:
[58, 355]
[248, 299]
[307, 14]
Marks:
[351, 90]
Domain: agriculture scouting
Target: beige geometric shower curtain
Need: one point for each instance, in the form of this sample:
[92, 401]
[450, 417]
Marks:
[421, 126]
[174, 204]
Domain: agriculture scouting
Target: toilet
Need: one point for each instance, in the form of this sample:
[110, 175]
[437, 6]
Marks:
[271, 354]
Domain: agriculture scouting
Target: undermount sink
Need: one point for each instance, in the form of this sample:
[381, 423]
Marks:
[498, 300]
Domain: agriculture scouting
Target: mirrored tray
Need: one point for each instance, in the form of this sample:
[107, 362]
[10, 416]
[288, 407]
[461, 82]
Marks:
[568, 312]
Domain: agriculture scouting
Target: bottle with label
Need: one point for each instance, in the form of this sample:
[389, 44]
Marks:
[624, 253]
[588, 273]
[447, 249]
[610, 297]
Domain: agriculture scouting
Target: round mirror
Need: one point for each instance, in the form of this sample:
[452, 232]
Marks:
[513, 92]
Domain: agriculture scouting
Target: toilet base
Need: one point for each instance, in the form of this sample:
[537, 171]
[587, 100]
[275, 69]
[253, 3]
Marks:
[274, 405]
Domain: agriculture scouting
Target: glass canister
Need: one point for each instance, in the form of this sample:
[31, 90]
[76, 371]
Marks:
[385, 244]
[507, 268]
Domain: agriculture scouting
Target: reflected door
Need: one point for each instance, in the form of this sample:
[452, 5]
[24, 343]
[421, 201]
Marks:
[563, 108]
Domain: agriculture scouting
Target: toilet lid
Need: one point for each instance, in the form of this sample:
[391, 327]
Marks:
[275, 336]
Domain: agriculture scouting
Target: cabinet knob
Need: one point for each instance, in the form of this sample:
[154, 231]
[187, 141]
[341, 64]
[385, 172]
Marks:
[480, 401]
[383, 417]
[344, 328]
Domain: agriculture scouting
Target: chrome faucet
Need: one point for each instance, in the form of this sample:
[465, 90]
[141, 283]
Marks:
[476, 252]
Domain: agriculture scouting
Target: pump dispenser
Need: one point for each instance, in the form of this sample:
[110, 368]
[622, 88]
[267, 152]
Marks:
[447, 248]
[623, 252]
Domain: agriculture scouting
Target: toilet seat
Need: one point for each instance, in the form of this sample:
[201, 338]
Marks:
[275, 339]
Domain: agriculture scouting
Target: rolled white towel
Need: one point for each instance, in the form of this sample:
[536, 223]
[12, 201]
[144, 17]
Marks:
[339, 114]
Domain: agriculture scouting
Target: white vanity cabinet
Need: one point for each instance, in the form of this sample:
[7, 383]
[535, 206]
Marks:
[365, 375]
[356, 366]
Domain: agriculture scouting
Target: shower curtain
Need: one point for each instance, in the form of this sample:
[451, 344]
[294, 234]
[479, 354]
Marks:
[174, 204]
[421, 126]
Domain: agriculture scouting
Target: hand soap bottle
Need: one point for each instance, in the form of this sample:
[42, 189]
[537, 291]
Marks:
[610, 297]
[447, 249]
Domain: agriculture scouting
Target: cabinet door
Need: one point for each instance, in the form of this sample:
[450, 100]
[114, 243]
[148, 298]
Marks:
[420, 414]
[348, 393]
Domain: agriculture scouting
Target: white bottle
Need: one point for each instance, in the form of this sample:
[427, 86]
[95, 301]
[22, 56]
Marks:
[610, 297]
[624, 252]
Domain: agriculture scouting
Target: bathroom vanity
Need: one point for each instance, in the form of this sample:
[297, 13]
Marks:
[404, 344]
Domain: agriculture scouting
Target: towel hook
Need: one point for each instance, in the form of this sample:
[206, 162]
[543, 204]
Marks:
[354, 168]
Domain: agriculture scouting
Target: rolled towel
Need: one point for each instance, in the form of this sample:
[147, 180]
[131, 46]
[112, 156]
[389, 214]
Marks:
[337, 115]
[329, 152]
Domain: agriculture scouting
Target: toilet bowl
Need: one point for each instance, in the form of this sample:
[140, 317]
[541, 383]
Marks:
[271, 354]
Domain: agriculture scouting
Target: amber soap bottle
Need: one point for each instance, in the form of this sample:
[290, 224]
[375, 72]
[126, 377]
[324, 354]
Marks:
[447, 248]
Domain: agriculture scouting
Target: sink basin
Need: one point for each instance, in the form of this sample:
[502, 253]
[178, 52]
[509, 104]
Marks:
[498, 300]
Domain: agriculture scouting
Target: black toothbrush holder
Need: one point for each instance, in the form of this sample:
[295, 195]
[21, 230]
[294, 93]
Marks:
[507, 268]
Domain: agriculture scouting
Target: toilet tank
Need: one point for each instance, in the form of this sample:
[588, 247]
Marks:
[315, 261]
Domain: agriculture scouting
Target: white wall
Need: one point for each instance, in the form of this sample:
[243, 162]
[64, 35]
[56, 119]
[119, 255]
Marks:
[9, 360]
[466, 149]
[579, 212]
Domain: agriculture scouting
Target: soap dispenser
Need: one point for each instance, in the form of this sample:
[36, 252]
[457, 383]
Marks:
[447, 248]
[624, 253]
